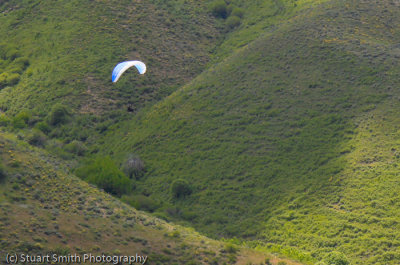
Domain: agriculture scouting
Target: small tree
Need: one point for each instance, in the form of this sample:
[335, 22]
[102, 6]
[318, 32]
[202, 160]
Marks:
[37, 138]
[233, 22]
[238, 12]
[58, 114]
[43, 126]
[4, 120]
[105, 174]
[220, 9]
[336, 258]
[76, 147]
[133, 166]
[180, 188]
[21, 120]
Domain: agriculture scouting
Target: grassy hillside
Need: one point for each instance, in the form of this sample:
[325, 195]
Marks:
[278, 116]
[77, 44]
[70, 48]
[56, 62]
[273, 140]
[45, 210]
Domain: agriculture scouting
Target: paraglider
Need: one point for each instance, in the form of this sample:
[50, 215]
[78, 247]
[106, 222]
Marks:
[122, 67]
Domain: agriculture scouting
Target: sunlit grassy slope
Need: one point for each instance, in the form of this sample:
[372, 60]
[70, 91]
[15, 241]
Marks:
[291, 140]
[73, 46]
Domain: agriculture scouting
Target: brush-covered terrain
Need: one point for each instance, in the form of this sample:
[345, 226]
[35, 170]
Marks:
[46, 210]
[269, 124]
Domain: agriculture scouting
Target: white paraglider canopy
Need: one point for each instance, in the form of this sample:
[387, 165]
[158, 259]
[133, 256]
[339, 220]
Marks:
[122, 67]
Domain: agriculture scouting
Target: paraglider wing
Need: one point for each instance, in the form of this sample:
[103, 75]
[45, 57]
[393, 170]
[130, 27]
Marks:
[122, 67]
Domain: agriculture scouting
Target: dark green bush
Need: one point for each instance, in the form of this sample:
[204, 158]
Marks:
[76, 147]
[21, 120]
[180, 188]
[58, 115]
[219, 9]
[336, 258]
[104, 173]
[37, 138]
[233, 22]
[133, 166]
[43, 126]
[3, 173]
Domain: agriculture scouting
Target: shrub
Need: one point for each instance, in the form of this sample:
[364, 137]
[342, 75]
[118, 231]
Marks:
[180, 188]
[233, 22]
[12, 53]
[336, 258]
[12, 79]
[173, 211]
[238, 12]
[141, 202]
[3, 173]
[43, 126]
[4, 120]
[21, 120]
[58, 115]
[104, 173]
[189, 215]
[133, 166]
[229, 10]
[3, 80]
[7, 79]
[23, 61]
[37, 138]
[219, 9]
[230, 248]
[76, 147]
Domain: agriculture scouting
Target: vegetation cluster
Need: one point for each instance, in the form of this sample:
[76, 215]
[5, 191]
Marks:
[229, 12]
[12, 65]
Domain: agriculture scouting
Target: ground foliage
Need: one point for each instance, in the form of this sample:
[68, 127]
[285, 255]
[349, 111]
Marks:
[288, 138]
[270, 137]
[44, 209]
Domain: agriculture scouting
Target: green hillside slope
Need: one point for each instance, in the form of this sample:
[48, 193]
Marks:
[47, 211]
[280, 117]
[278, 141]
[70, 48]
